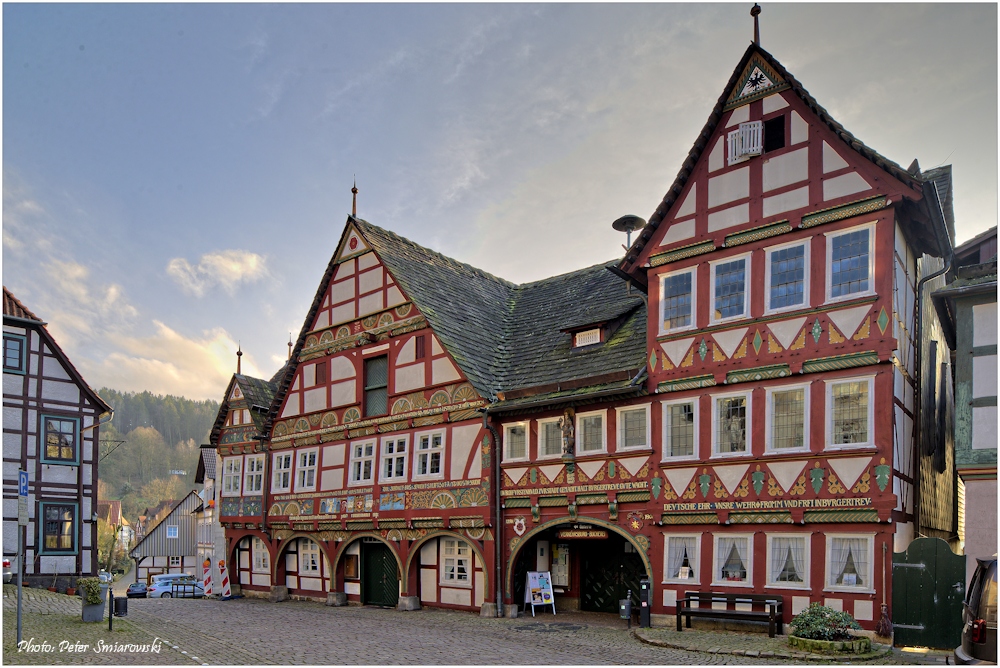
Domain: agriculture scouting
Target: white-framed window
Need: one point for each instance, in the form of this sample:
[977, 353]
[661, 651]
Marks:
[362, 462]
[456, 562]
[730, 288]
[680, 558]
[261, 557]
[787, 419]
[515, 441]
[429, 455]
[850, 262]
[849, 559]
[232, 468]
[393, 468]
[175, 562]
[678, 296]
[633, 427]
[590, 434]
[253, 477]
[309, 557]
[850, 413]
[549, 438]
[733, 559]
[786, 277]
[731, 420]
[305, 470]
[680, 428]
[172, 531]
[281, 479]
[788, 560]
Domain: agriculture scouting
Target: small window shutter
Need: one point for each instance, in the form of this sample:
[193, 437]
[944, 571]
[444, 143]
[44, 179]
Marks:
[752, 137]
[587, 338]
[733, 140]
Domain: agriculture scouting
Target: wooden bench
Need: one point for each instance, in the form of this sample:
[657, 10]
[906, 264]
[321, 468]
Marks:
[763, 608]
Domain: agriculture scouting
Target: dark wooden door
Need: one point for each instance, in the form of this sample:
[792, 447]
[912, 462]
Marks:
[379, 575]
[608, 573]
[928, 590]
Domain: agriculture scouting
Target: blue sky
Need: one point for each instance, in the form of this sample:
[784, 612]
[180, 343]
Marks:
[176, 176]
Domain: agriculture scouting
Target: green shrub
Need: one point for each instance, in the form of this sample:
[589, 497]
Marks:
[91, 588]
[819, 622]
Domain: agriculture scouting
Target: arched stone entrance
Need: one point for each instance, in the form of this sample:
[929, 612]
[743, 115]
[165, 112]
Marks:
[370, 569]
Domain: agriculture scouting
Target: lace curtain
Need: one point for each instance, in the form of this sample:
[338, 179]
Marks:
[849, 561]
[788, 551]
[679, 549]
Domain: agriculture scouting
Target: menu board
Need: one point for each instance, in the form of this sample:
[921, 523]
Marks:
[538, 591]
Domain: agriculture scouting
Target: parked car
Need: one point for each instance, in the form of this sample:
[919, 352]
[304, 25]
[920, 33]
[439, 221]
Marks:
[8, 570]
[979, 635]
[104, 576]
[162, 586]
[136, 590]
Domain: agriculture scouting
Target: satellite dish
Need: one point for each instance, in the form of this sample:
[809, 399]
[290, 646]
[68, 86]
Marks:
[628, 224]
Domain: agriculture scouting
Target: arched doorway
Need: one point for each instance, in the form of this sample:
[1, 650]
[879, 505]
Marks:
[379, 573]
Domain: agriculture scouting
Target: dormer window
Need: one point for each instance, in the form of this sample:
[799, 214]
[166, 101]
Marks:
[745, 141]
[587, 337]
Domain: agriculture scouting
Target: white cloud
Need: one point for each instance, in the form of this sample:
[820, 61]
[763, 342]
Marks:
[227, 269]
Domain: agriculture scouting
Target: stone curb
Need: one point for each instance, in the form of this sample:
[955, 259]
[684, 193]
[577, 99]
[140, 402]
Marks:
[797, 656]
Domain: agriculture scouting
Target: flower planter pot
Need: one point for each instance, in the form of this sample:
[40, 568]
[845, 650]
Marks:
[862, 645]
[95, 612]
[53, 589]
[70, 591]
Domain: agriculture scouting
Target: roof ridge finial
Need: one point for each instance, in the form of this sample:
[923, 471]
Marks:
[354, 198]
[755, 12]
[289, 345]
[239, 355]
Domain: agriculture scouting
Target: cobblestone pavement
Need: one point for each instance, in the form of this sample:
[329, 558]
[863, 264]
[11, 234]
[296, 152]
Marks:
[253, 631]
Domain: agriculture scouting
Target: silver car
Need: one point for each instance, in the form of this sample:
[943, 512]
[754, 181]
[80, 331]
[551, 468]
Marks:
[181, 586]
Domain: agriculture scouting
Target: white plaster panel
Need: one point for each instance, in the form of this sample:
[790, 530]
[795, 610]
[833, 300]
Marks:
[669, 597]
[786, 169]
[729, 186]
[342, 291]
[370, 280]
[864, 611]
[687, 206]
[291, 581]
[462, 440]
[773, 103]
[456, 596]
[428, 553]
[367, 260]
[407, 352]
[370, 303]
[12, 446]
[340, 368]
[409, 377]
[739, 115]
[10, 470]
[12, 417]
[476, 469]
[800, 129]
[342, 313]
[308, 375]
[58, 391]
[322, 320]
[342, 394]
[799, 603]
[984, 428]
[835, 603]
[443, 371]
[344, 269]
[260, 579]
[984, 324]
[10, 329]
[679, 231]
[312, 584]
[59, 474]
[353, 588]
[331, 479]
[291, 406]
[436, 348]
[734, 215]
[333, 455]
[831, 159]
[428, 585]
[393, 297]
[479, 579]
[54, 369]
[314, 400]
[295, 384]
[10, 531]
[788, 201]
[717, 158]
[845, 184]
[984, 376]
[12, 384]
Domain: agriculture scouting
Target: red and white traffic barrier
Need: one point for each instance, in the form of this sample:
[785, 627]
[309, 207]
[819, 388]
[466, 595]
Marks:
[208, 577]
[224, 574]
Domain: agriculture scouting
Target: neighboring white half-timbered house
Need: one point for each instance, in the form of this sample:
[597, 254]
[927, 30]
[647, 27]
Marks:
[171, 546]
[51, 421]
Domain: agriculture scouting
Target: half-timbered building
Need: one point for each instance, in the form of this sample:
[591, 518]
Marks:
[51, 421]
[171, 545]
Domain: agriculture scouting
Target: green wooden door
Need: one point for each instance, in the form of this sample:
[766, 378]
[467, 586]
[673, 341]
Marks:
[608, 573]
[379, 575]
[928, 588]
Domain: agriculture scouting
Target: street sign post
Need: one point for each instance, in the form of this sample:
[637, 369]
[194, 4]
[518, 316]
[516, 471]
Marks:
[22, 521]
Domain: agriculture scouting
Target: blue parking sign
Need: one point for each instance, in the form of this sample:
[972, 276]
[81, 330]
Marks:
[22, 483]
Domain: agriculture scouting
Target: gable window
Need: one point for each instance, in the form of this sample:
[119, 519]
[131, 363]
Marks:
[231, 473]
[680, 425]
[515, 438]
[587, 337]
[282, 477]
[253, 482]
[848, 562]
[13, 354]
[680, 555]
[633, 427]
[59, 527]
[730, 289]
[733, 559]
[308, 557]
[376, 386]
[305, 473]
[549, 438]
[786, 277]
[850, 412]
[456, 562]
[261, 557]
[590, 435]
[732, 424]
[362, 462]
[429, 450]
[774, 134]
[849, 262]
[61, 437]
[677, 297]
[420, 347]
[175, 562]
[787, 561]
[788, 418]
[172, 531]
[321, 373]
[394, 459]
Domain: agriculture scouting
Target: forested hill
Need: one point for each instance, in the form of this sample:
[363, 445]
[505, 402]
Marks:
[159, 456]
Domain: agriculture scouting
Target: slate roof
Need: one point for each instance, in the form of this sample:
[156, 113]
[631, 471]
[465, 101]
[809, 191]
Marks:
[206, 465]
[701, 144]
[13, 307]
[941, 178]
[259, 395]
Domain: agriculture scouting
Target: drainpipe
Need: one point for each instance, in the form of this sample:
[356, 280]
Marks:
[497, 515]
[937, 215]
